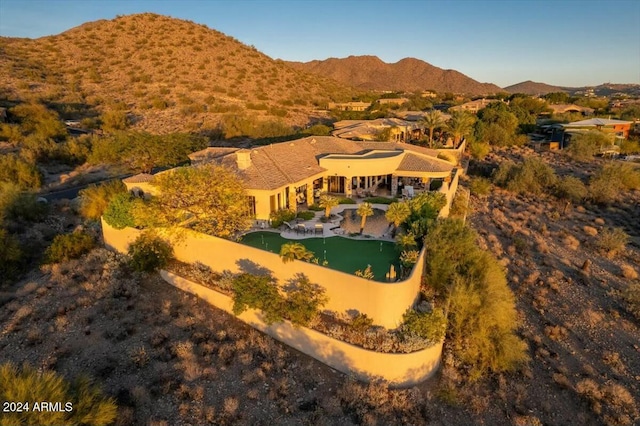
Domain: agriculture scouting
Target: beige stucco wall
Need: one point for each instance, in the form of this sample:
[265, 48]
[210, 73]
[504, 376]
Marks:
[397, 369]
[362, 165]
[385, 303]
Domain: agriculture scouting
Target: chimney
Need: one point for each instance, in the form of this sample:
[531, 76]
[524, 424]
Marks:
[243, 158]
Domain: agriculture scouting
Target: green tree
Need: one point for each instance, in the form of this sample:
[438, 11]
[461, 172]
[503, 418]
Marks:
[584, 146]
[364, 210]
[149, 252]
[294, 251]
[432, 120]
[460, 125]
[142, 151]
[209, 199]
[88, 405]
[327, 202]
[532, 176]
[406, 241]
[397, 213]
[557, 97]
[303, 300]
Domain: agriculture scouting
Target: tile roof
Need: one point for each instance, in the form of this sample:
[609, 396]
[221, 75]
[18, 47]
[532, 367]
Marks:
[276, 165]
[418, 163]
[596, 122]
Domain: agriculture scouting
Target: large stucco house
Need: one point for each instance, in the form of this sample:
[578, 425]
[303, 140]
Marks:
[292, 174]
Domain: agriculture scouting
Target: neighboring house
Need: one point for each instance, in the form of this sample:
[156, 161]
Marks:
[289, 174]
[565, 108]
[369, 130]
[392, 101]
[617, 127]
[350, 106]
[474, 106]
[418, 115]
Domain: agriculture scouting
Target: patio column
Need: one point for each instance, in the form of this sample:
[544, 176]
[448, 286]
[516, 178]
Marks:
[293, 203]
[394, 185]
[310, 199]
[347, 185]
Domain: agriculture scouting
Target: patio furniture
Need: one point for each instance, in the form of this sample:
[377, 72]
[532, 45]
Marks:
[301, 228]
[319, 228]
[289, 227]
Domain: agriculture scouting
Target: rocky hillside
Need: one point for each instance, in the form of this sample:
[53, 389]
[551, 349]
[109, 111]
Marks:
[170, 74]
[534, 88]
[410, 74]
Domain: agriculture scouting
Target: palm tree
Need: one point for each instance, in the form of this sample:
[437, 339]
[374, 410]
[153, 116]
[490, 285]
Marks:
[397, 213]
[364, 210]
[460, 125]
[406, 241]
[432, 120]
[294, 251]
[328, 202]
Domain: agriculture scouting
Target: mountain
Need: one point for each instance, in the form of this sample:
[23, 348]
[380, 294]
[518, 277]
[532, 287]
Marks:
[409, 74]
[607, 89]
[169, 74]
[534, 88]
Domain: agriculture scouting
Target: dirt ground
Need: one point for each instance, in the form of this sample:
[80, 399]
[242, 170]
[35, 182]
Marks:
[170, 359]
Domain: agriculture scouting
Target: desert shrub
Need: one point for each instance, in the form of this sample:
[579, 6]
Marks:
[583, 147]
[482, 315]
[479, 150]
[303, 300]
[119, 211]
[431, 326]
[631, 296]
[257, 292]
[69, 246]
[532, 176]
[280, 216]
[460, 204]
[571, 189]
[88, 404]
[629, 147]
[19, 171]
[95, 199]
[611, 241]
[114, 120]
[149, 252]
[611, 181]
[18, 205]
[480, 187]
[11, 256]
[305, 215]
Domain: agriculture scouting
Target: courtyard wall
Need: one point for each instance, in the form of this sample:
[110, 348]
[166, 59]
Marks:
[384, 303]
[398, 369]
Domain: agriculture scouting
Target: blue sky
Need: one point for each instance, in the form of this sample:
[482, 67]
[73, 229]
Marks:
[567, 43]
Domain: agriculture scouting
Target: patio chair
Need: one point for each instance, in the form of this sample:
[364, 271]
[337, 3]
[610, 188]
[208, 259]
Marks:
[301, 228]
[319, 228]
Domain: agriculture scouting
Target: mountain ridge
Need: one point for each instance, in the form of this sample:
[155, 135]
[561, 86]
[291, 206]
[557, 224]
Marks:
[368, 72]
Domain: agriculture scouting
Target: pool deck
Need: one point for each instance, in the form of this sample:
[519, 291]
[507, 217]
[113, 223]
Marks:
[329, 229]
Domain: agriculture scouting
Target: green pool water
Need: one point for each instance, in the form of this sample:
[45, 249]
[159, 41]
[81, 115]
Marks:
[343, 254]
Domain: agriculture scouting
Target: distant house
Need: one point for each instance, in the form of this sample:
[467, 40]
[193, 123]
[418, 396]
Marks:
[418, 115]
[617, 127]
[392, 101]
[565, 108]
[350, 106]
[474, 106]
[369, 130]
